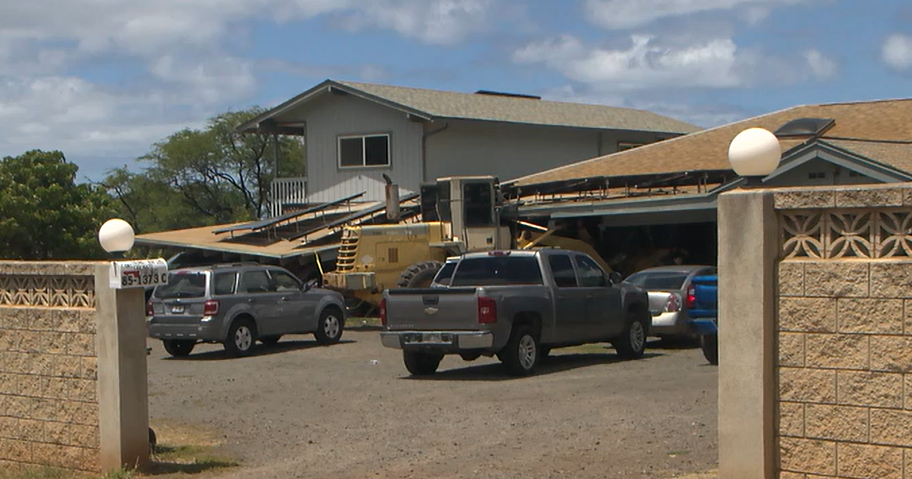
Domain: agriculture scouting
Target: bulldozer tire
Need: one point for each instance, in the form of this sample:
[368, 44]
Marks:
[419, 275]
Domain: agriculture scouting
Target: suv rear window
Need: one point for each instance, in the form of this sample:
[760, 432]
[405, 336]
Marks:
[497, 271]
[224, 283]
[183, 284]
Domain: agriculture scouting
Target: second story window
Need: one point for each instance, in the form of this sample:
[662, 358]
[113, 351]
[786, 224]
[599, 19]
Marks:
[364, 151]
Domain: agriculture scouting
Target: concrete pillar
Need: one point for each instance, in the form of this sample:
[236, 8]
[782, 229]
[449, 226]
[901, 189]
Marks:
[123, 402]
[748, 247]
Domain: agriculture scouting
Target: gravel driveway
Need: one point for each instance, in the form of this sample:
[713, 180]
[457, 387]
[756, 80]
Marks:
[351, 411]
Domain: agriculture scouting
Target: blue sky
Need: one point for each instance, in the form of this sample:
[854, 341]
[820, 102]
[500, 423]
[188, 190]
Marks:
[102, 80]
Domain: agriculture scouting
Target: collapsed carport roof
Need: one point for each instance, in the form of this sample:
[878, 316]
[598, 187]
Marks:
[204, 239]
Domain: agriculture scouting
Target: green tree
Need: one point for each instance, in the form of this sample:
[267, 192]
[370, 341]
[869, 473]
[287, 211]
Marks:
[44, 214]
[204, 177]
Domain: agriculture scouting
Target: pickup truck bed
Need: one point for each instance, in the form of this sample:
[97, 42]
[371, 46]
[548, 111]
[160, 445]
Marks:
[516, 305]
[705, 315]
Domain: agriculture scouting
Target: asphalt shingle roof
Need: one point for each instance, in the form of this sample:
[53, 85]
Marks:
[866, 128]
[472, 106]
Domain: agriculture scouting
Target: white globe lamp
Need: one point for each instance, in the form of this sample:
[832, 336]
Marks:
[116, 236]
[754, 153]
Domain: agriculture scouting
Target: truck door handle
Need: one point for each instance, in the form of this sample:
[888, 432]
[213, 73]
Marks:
[251, 300]
[588, 296]
[283, 299]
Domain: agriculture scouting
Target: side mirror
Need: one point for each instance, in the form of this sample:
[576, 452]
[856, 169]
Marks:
[308, 286]
[614, 277]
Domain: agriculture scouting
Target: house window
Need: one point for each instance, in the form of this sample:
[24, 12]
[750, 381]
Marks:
[816, 175]
[364, 151]
[628, 145]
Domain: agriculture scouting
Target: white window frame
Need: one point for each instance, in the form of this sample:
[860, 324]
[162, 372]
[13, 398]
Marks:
[363, 165]
[628, 145]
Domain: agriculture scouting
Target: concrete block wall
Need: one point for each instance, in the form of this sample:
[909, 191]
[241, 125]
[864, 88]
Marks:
[845, 358]
[49, 412]
[844, 333]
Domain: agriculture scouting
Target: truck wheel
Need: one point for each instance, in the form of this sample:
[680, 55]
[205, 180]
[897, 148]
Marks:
[329, 328]
[241, 337]
[178, 347]
[521, 353]
[710, 346]
[421, 364]
[632, 342]
[419, 275]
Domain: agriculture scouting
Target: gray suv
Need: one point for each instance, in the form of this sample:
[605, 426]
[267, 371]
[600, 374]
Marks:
[238, 304]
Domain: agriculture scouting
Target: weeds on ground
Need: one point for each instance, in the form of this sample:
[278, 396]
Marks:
[47, 472]
[182, 449]
[185, 448]
[187, 459]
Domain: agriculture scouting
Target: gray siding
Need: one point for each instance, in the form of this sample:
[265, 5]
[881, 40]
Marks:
[453, 147]
[331, 116]
[511, 151]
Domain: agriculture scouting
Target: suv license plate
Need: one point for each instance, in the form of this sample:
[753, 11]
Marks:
[429, 338]
[177, 310]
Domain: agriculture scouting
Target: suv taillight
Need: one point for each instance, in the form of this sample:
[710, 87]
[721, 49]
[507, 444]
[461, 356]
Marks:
[673, 304]
[487, 310]
[383, 311]
[210, 307]
[691, 297]
[149, 310]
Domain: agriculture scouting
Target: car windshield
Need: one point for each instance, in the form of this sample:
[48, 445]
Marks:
[182, 284]
[657, 280]
[497, 270]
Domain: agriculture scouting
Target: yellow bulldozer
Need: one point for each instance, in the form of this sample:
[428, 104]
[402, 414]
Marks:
[458, 215]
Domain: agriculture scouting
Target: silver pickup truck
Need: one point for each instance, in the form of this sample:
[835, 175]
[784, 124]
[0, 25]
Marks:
[516, 304]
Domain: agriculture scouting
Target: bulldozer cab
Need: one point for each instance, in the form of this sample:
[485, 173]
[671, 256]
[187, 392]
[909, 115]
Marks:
[470, 206]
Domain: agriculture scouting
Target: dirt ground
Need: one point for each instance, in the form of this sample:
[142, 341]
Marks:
[352, 411]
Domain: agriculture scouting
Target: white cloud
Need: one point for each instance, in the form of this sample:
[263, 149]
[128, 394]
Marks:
[209, 81]
[173, 60]
[653, 63]
[704, 114]
[80, 119]
[821, 67]
[144, 28]
[644, 65]
[627, 14]
[441, 22]
[897, 51]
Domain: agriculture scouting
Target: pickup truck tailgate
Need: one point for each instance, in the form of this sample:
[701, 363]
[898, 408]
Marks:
[450, 309]
[706, 297]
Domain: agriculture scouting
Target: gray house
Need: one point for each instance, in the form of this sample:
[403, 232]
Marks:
[356, 132]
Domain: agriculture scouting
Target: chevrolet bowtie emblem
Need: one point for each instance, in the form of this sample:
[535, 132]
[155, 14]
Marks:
[430, 310]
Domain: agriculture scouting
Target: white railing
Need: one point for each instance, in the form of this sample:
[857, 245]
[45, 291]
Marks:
[285, 191]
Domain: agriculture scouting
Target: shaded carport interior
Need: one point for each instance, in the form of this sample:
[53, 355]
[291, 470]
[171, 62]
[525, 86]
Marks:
[645, 221]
